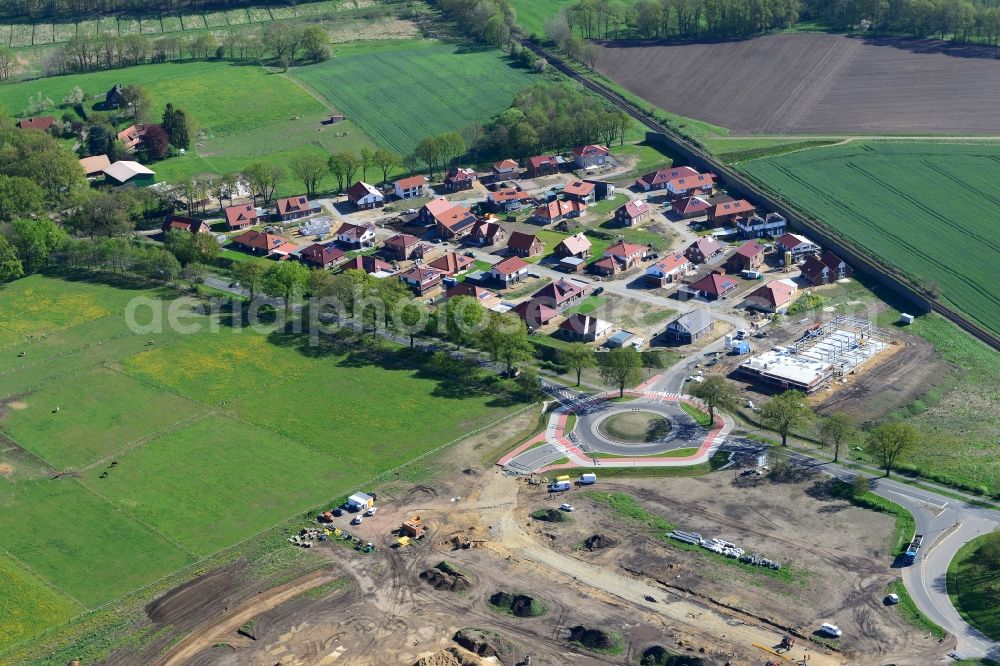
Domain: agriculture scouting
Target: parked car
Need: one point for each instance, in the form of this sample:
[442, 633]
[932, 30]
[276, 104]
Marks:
[598, 291]
[830, 630]
[566, 507]
[892, 599]
[470, 253]
[357, 520]
[371, 511]
[338, 512]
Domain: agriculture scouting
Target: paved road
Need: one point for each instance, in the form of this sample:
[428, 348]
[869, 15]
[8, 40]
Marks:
[684, 431]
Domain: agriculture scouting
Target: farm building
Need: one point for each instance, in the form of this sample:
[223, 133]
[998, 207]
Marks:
[241, 216]
[543, 165]
[133, 135]
[535, 314]
[825, 269]
[558, 210]
[658, 179]
[510, 270]
[748, 257]
[42, 123]
[115, 97]
[577, 246]
[365, 196]
[402, 247]
[421, 279]
[409, 188]
[667, 270]
[755, 226]
[584, 328]
[458, 179]
[126, 171]
[581, 191]
[798, 245]
[505, 169]
[356, 235]
[711, 287]
[94, 165]
[321, 255]
[524, 245]
[775, 296]
[633, 213]
[589, 156]
[704, 249]
[689, 327]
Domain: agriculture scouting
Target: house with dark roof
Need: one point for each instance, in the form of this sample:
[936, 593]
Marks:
[687, 207]
[458, 179]
[747, 257]
[486, 233]
[825, 269]
[657, 180]
[775, 296]
[451, 263]
[689, 327]
[725, 212]
[356, 236]
[535, 314]
[42, 123]
[241, 216]
[505, 169]
[704, 249]
[558, 210]
[524, 245]
[591, 155]
[510, 270]
[542, 165]
[365, 196]
[711, 287]
[668, 270]
[401, 247]
[620, 257]
[421, 279]
[584, 328]
[798, 245]
[409, 188]
[189, 224]
[321, 255]
[577, 245]
[580, 190]
[634, 213]
[292, 208]
[755, 226]
[114, 98]
[561, 293]
[260, 243]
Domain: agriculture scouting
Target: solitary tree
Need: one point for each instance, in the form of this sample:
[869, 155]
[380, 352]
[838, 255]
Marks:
[366, 161]
[888, 442]
[836, 430]
[621, 367]
[286, 280]
[578, 357]
[412, 318]
[250, 275]
[716, 393]
[784, 412]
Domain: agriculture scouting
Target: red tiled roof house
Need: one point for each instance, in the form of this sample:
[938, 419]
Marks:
[633, 213]
[748, 257]
[524, 245]
[241, 216]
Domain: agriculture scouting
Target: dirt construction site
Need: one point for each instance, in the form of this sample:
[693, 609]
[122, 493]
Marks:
[596, 585]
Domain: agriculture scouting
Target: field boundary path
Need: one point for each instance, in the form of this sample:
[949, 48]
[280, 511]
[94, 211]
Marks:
[858, 256]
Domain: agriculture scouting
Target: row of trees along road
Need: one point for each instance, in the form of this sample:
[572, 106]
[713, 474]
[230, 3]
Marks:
[787, 412]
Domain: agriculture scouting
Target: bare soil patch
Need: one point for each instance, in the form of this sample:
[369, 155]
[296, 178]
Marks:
[817, 83]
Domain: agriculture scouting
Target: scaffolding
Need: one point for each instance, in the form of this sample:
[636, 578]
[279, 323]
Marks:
[844, 342]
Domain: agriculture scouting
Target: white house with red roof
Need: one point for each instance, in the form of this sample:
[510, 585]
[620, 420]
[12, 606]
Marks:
[669, 269]
[686, 186]
[774, 296]
[657, 180]
[409, 188]
[591, 155]
[356, 235]
[580, 190]
[634, 213]
[509, 270]
[365, 196]
[800, 246]
[506, 169]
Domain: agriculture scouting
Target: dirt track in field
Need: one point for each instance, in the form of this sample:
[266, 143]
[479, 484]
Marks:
[816, 83]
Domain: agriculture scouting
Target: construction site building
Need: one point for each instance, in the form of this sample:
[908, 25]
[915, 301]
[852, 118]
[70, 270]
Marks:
[412, 528]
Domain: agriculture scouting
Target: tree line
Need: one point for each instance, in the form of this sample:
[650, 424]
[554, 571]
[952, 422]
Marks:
[278, 41]
[958, 20]
[35, 10]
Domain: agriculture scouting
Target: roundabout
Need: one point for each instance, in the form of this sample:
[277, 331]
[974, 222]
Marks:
[634, 427]
[646, 426]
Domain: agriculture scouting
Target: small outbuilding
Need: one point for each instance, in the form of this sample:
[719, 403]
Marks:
[360, 502]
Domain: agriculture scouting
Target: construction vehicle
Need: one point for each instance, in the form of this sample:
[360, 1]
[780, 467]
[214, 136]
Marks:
[787, 643]
[913, 549]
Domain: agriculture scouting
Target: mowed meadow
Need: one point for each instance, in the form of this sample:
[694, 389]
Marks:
[928, 208]
[156, 450]
[400, 92]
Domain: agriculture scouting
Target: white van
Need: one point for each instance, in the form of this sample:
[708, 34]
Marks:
[587, 479]
[560, 486]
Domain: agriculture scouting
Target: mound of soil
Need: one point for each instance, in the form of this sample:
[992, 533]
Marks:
[520, 605]
[487, 644]
[452, 656]
[595, 639]
[445, 577]
[600, 541]
[657, 655]
[551, 515]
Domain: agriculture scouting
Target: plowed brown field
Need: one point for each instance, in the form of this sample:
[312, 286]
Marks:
[817, 83]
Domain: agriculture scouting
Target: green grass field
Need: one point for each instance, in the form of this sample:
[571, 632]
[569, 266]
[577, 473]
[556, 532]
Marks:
[402, 91]
[926, 208]
[215, 436]
[974, 588]
[532, 14]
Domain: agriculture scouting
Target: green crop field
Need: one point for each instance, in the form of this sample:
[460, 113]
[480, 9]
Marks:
[532, 14]
[400, 92]
[926, 208]
[173, 446]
